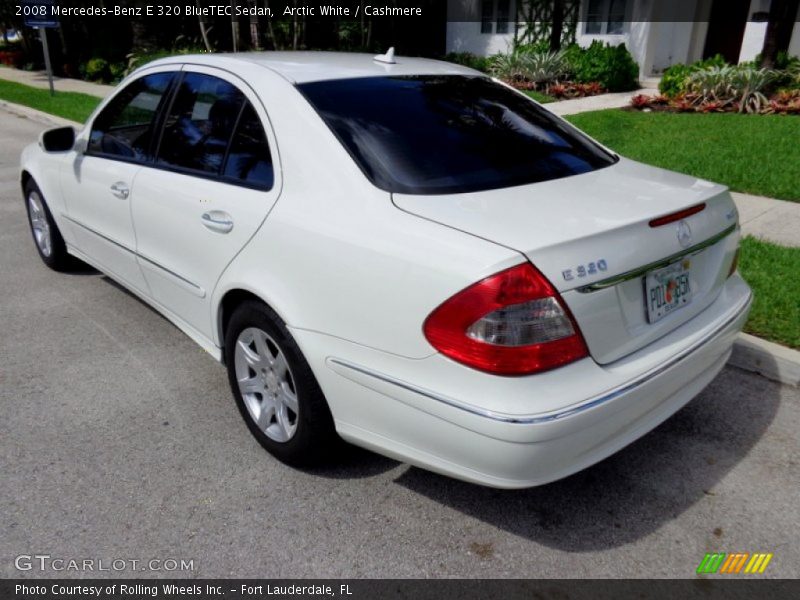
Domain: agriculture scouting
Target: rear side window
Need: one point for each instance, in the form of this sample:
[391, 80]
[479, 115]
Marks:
[449, 134]
[125, 127]
[249, 160]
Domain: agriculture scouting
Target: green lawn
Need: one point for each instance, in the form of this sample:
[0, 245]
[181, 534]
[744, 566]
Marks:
[758, 154]
[771, 271]
[69, 105]
[540, 97]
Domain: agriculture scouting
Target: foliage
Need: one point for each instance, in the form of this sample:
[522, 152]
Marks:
[544, 67]
[674, 79]
[524, 65]
[468, 59]
[742, 87]
[611, 66]
[138, 59]
[96, 69]
[565, 91]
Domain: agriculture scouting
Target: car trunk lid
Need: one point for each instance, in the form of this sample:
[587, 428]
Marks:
[591, 235]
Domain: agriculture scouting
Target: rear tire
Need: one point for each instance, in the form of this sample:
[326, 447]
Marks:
[46, 236]
[275, 390]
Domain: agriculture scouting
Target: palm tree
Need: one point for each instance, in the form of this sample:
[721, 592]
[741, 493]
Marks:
[782, 15]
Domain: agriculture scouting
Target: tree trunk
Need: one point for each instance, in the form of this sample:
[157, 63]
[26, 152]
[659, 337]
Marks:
[782, 15]
[234, 28]
[255, 33]
[557, 26]
[203, 22]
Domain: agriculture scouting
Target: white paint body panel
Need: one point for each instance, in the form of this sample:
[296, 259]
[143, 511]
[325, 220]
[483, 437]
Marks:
[354, 273]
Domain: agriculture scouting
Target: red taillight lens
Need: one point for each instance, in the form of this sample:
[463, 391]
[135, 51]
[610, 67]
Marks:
[735, 263]
[512, 323]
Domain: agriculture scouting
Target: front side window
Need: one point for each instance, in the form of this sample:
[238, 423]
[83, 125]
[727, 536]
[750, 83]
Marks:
[124, 128]
[200, 124]
[450, 134]
[213, 129]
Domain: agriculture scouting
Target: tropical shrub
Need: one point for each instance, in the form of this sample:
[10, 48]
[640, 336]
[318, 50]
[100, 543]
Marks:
[96, 69]
[522, 65]
[544, 67]
[468, 59]
[611, 66]
[742, 86]
[674, 79]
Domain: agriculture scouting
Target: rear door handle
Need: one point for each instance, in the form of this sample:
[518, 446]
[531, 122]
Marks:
[120, 190]
[217, 220]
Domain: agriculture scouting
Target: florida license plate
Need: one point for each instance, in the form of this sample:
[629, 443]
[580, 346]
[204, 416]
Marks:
[667, 290]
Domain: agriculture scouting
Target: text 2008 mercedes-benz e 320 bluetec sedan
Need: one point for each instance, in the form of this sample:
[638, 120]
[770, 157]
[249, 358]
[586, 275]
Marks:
[402, 253]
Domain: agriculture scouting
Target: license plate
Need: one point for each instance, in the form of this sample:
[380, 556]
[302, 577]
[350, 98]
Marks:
[667, 290]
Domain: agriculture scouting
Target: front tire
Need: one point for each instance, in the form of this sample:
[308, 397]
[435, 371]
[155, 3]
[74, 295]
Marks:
[46, 236]
[274, 388]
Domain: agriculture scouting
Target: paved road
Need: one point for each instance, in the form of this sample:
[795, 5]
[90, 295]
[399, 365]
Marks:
[119, 440]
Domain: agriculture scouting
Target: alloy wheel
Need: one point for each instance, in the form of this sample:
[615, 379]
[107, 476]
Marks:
[39, 224]
[266, 384]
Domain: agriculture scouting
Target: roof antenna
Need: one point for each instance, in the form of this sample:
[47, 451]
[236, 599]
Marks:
[387, 58]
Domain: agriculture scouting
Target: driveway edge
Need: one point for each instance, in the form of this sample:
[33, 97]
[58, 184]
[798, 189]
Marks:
[37, 115]
[768, 359]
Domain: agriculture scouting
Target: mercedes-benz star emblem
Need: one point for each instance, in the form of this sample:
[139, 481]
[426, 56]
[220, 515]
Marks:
[684, 233]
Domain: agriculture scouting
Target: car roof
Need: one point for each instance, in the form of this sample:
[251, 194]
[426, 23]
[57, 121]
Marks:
[305, 67]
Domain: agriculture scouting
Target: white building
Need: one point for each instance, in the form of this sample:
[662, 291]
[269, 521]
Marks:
[657, 33]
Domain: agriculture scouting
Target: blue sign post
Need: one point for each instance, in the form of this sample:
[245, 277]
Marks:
[40, 15]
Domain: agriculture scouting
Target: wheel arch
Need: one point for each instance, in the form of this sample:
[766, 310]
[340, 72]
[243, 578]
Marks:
[25, 177]
[229, 302]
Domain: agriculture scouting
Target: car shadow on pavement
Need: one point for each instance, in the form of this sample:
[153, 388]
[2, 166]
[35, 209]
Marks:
[352, 462]
[634, 492]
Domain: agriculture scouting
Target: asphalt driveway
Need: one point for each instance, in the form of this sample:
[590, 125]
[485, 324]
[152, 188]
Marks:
[119, 440]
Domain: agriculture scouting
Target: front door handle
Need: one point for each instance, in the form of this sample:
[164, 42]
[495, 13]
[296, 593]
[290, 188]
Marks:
[120, 190]
[217, 220]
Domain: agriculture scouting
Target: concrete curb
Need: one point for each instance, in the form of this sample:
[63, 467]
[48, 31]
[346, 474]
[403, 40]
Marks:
[750, 353]
[37, 115]
[769, 360]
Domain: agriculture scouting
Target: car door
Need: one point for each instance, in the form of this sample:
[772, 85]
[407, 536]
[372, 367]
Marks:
[211, 186]
[98, 183]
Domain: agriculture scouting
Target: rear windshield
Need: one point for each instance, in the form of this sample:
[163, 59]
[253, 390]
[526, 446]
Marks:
[449, 134]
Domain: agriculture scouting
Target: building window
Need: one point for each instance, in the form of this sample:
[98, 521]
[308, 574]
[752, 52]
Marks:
[503, 10]
[487, 16]
[495, 16]
[605, 17]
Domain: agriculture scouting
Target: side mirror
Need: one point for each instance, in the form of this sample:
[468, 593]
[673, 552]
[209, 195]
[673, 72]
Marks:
[57, 140]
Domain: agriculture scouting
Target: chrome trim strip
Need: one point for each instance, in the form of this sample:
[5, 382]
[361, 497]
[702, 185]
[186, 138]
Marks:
[192, 287]
[529, 420]
[98, 234]
[640, 271]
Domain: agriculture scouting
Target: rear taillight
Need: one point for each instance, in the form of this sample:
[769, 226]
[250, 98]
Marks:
[735, 263]
[512, 323]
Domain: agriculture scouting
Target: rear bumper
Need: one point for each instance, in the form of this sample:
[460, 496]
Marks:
[456, 421]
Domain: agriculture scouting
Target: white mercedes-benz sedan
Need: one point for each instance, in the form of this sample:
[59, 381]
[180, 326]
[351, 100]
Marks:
[401, 253]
